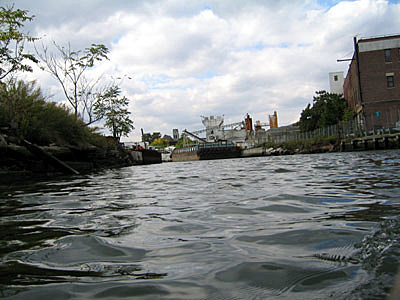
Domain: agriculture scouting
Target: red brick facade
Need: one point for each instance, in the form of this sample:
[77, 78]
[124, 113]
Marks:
[379, 66]
[350, 88]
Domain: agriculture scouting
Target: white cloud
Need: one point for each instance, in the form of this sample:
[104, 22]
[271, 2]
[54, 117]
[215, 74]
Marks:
[192, 58]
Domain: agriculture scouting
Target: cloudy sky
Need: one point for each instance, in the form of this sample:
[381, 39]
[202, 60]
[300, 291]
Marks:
[189, 58]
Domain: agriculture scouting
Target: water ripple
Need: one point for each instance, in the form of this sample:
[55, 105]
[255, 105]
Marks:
[304, 227]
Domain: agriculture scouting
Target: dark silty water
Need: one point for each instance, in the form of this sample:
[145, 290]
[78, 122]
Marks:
[290, 227]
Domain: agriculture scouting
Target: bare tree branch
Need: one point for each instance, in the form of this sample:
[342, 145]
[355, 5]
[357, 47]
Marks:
[69, 67]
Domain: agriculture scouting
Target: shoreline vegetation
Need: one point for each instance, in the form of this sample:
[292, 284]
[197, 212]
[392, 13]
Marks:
[43, 138]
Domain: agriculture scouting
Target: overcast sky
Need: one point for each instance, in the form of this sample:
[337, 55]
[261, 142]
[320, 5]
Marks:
[189, 58]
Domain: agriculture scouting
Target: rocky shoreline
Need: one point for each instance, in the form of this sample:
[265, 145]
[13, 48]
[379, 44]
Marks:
[280, 150]
[21, 159]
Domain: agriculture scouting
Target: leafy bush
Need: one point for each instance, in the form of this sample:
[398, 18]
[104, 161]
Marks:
[99, 140]
[27, 114]
[160, 143]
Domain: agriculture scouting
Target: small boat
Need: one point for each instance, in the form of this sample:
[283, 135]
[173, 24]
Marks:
[206, 151]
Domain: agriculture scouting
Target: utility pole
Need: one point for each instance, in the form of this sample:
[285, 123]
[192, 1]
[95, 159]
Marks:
[358, 69]
[360, 95]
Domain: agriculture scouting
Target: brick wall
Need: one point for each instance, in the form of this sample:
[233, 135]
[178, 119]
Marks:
[350, 87]
[373, 70]
[381, 104]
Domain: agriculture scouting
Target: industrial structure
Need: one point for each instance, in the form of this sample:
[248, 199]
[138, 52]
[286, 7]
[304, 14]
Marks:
[241, 133]
[175, 134]
[372, 84]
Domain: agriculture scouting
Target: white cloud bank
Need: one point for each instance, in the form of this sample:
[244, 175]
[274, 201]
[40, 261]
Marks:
[192, 58]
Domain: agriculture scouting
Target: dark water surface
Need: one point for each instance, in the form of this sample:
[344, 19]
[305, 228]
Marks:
[288, 227]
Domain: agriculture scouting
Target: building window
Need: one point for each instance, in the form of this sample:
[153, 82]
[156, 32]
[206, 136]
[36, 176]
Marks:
[335, 78]
[390, 81]
[388, 55]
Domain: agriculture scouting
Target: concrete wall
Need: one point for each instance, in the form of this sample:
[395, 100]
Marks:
[382, 43]
[282, 134]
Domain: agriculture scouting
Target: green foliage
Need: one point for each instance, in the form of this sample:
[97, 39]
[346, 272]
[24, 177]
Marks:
[18, 101]
[12, 41]
[69, 67]
[114, 110]
[25, 112]
[148, 137]
[328, 109]
[160, 143]
[182, 142]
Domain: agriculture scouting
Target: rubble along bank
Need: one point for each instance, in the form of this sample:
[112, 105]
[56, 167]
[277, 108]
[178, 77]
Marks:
[21, 159]
[284, 150]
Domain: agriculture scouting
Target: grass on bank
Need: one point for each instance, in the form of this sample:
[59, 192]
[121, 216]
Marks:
[26, 114]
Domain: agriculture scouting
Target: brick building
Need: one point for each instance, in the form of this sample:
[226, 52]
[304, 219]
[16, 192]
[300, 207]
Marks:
[372, 84]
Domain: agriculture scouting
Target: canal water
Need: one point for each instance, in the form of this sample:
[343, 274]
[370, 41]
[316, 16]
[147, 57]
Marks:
[322, 226]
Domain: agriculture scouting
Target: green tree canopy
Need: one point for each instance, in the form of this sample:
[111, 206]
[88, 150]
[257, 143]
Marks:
[12, 41]
[113, 109]
[327, 109]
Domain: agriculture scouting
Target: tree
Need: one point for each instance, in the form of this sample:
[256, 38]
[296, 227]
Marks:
[12, 41]
[328, 109]
[182, 142]
[114, 109]
[68, 67]
[160, 142]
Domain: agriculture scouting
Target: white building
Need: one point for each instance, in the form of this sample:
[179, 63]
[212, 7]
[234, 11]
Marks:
[336, 81]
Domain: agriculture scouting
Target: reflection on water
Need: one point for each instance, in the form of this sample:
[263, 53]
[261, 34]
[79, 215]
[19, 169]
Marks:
[304, 227]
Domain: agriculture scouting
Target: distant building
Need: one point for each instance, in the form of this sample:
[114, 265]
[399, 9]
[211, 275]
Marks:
[175, 134]
[372, 84]
[336, 81]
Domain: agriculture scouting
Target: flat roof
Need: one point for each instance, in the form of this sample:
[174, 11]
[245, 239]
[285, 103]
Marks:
[379, 38]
